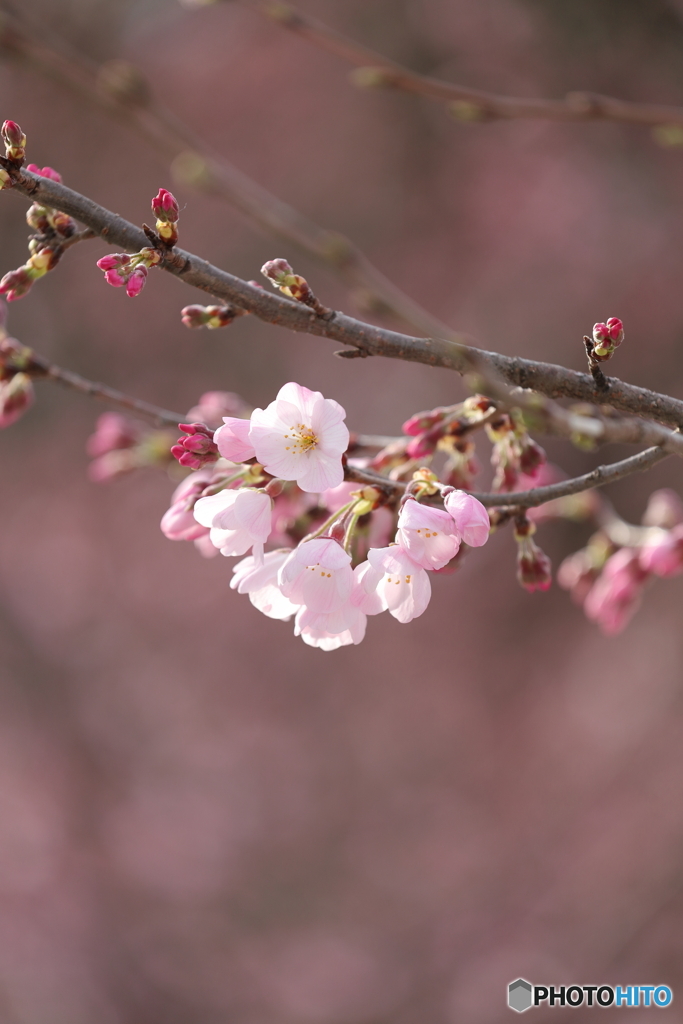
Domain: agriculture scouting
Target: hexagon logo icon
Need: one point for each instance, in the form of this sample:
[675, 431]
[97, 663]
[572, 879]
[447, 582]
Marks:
[519, 995]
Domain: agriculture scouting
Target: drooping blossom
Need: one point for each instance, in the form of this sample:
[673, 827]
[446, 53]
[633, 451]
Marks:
[260, 582]
[318, 574]
[238, 520]
[427, 534]
[233, 441]
[113, 432]
[178, 522]
[214, 405]
[662, 553]
[122, 270]
[332, 630]
[402, 585]
[470, 517]
[301, 436]
[616, 595]
[534, 568]
[16, 396]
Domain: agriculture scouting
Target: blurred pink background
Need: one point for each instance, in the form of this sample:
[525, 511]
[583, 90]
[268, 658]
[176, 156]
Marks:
[201, 819]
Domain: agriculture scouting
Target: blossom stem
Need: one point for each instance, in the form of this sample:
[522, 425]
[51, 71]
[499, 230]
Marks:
[332, 520]
[350, 530]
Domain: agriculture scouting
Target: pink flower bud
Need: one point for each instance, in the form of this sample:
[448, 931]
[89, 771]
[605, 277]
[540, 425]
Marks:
[197, 449]
[16, 396]
[534, 568]
[113, 260]
[16, 284]
[136, 281]
[663, 553]
[14, 139]
[115, 278]
[421, 447]
[111, 464]
[214, 405]
[607, 337]
[44, 172]
[423, 421]
[208, 316]
[615, 596]
[277, 271]
[165, 207]
[112, 433]
[470, 517]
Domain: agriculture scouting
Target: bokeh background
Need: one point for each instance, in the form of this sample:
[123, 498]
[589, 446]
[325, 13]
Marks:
[202, 819]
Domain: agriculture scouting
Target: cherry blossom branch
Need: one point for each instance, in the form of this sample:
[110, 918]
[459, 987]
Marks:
[465, 103]
[598, 477]
[366, 339]
[120, 89]
[42, 368]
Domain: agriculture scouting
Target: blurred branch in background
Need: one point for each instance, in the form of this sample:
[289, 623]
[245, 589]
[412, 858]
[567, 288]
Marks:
[466, 104]
[123, 92]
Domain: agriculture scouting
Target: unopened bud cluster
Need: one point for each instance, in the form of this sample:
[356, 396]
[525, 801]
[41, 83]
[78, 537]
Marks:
[294, 286]
[607, 338]
[209, 316]
[166, 210]
[15, 142]
[122, 270]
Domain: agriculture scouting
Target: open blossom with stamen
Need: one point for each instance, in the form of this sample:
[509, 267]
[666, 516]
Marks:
[301, 436]
[318, 574]
[470, 517]
[237, 519]
[402, 585]
[233, 439]
[427, 534]
[260, 582]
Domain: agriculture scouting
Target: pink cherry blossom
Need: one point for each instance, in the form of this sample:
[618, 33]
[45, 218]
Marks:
[260, 582]
[237, 519]
[301, 436]
[616, 595]
[427, 534]
[318, 574]
[662, 554]
[332, 630]
[178, 522]
[113, 431]
[136, 282]
[401, 583]
[233, 439]
[470, 517]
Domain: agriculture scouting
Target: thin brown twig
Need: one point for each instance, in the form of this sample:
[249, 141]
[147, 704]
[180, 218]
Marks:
[466, 103]
[39, 367]
[548, 379]
[196, 165]
[598, 477]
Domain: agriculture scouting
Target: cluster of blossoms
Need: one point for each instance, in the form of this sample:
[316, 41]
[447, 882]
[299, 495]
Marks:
[609, 580]
[269, 479]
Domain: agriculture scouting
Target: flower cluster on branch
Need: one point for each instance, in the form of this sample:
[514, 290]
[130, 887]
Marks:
[351, 534]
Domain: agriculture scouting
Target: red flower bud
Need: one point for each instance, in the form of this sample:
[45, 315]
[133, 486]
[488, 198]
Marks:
[198, 448]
